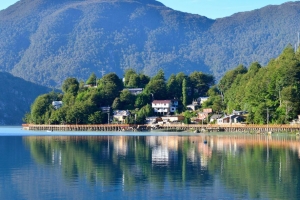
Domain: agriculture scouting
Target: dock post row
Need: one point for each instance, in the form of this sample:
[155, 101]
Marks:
[175, 127]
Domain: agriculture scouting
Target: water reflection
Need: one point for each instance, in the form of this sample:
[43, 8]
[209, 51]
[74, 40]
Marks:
[254, 166]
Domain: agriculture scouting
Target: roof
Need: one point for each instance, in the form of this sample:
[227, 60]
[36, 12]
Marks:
[215, 116]
[161, 101]
[134, 89]
[121, 113]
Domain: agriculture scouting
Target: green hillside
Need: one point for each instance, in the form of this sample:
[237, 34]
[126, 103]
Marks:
[16, 97]
[47, 41]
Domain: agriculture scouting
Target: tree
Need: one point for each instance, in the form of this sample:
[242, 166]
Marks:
[40, 107]
[127, 99]
[96, 118]
[127, 75]
[227, 80]
[200, 83]
[134, 81]
[158, 88]
[68, 99]
[79, 112]
[159, 76]
[144, 80]
[110, 87]
[184, 93]
[92, 80]
[144, 112]
[70, 85]
[142, 99]
[173, 87]
[117, 105]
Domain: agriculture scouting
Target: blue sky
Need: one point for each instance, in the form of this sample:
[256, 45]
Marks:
[209, 8]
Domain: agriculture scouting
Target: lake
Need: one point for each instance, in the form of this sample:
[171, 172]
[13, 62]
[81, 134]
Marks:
[148, 165]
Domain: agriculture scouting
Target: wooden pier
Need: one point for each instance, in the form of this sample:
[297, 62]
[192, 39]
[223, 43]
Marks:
[171, 127]
[249, 128]
[94, 127]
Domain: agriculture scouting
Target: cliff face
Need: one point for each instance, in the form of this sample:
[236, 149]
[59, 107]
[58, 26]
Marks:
[16, 97]
[47, 41]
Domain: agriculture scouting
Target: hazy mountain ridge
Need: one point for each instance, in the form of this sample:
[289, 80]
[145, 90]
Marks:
[48, 41]
[16, 97]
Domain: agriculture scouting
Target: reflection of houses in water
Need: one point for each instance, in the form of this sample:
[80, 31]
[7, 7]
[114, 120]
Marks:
[171, 142]
[56, 156]
[204, 162]
[191, 155]
[205, 154]
[151, 141]
[230, 147]
[234, 144]
[160, 155]
[163, 156]
[164, 149]
[120, 145]
[195, 158]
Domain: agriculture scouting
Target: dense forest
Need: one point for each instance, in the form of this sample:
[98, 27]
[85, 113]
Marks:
[47, 41]
[16, 96]
[82, 100]
[268, 93]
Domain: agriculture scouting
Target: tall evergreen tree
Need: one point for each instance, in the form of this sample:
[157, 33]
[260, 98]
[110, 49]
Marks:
[92, 80]
[184, 93]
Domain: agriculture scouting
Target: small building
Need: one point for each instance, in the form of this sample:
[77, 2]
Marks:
[57, 104]
[105, 109]
[230, 119]
[177, 118]
[296, 121]
[135, 91]
[215, 117]
[208, 110]
[194, 106]
[236, 112]
[165, 106]
[202, 116]
[152, 120]
[120, 115]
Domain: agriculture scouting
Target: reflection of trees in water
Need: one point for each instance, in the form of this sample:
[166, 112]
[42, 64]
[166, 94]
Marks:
[110, 159]
[261, 166]
[258, 165]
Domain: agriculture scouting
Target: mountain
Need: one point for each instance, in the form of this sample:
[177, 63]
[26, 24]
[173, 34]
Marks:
[45, 41]
[16, 97]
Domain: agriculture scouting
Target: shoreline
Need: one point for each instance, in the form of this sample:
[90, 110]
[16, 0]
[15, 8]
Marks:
[197, 128]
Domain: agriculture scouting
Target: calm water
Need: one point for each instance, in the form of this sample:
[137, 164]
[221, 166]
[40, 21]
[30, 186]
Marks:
[34, 165]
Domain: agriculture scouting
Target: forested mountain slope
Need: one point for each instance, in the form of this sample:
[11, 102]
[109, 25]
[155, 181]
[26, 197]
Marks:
[45, 41]
[16, 96]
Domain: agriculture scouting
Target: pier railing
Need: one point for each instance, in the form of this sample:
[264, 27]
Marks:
[181, 127]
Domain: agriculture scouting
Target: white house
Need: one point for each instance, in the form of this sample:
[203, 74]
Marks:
[165, 106]
[57, 104]
[121, 115]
